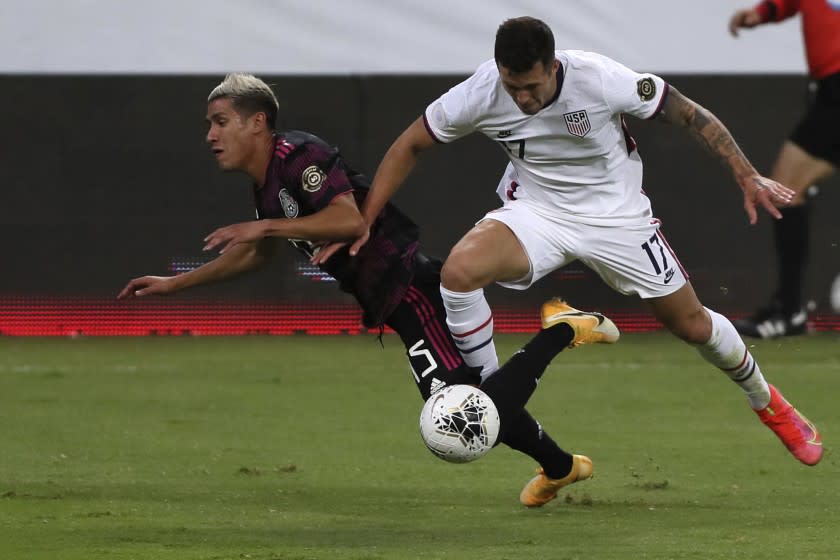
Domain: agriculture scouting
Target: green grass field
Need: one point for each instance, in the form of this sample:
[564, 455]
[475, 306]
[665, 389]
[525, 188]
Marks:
[307, 448]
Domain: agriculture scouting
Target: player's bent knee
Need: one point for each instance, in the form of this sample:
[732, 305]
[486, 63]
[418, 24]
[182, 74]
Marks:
[457, 276]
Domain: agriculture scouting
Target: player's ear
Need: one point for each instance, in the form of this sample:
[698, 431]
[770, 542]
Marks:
[258, 121]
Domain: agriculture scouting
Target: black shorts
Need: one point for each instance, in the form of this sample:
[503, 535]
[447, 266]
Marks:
[818, 133]
[420, 320]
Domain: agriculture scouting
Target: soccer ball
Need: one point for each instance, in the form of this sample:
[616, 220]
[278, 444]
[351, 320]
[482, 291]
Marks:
[459, 423]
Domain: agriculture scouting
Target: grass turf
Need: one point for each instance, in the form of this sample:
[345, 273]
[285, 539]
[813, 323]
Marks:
[307, 448]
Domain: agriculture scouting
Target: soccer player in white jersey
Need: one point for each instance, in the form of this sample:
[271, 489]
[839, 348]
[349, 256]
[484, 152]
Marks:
[573, 191]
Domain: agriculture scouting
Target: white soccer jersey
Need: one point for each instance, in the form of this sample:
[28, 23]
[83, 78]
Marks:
[575, 156]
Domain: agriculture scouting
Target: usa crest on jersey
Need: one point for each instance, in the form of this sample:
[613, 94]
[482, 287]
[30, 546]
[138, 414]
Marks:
[577, 122]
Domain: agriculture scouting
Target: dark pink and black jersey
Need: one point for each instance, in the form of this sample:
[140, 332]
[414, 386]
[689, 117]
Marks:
[305, 174]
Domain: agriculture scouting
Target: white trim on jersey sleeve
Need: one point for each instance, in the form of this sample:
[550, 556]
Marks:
[626, 91]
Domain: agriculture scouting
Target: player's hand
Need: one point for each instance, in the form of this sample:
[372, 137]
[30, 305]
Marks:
[148, 286]
[244, 232]
[325, 251]
[766, 192]
[329, 249]
[743, 18]
[354, 248]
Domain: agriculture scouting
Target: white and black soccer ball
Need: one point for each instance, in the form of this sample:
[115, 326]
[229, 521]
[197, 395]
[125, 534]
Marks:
[459, 423]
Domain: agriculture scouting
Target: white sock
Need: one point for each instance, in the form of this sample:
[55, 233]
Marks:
[470, 321]
[727, 351]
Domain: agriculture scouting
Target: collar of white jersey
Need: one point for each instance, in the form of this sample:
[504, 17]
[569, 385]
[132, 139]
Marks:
[560, 75]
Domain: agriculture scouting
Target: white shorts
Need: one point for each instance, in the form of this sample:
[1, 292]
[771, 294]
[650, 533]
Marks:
[631, 259]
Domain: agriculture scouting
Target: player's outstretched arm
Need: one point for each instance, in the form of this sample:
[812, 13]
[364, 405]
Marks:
[394, 168]
[747, 18]
[241, 258]
[713, 135]
[339, 220]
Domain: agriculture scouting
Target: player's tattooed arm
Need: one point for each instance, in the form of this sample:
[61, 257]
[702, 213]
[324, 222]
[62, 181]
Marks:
[707, 129]
[711, 133]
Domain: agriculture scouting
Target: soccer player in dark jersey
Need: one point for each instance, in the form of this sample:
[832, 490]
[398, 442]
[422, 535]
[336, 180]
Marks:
[306, 193]
[811, 153]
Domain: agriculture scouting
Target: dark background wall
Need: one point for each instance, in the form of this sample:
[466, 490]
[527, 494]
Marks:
[105, 178]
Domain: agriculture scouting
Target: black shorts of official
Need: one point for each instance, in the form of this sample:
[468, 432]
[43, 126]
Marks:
[818, 133]
[420, 321]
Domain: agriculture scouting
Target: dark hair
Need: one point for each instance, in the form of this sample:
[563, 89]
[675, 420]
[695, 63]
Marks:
[522, 42]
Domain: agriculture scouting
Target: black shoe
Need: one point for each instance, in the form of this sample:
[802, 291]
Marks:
[772, 322]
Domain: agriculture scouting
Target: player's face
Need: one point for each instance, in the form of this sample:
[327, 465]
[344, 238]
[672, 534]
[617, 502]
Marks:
[230, 135]
[532, 89]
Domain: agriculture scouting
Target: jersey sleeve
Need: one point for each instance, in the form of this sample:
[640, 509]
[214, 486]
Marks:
[626, 91]
[316, 175]
[777, 10]
[449, 117]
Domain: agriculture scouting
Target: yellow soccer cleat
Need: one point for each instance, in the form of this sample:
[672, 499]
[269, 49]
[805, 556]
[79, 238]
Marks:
[589, 327]
[540, 490]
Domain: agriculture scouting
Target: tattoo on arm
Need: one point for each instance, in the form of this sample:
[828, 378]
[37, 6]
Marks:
[707, 129]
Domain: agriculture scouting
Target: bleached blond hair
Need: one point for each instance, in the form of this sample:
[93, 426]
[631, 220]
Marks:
[249, 95]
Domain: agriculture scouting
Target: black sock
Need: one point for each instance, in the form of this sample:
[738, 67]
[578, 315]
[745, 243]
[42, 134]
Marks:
[512, 385]
[791, 235]
[526, 435]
